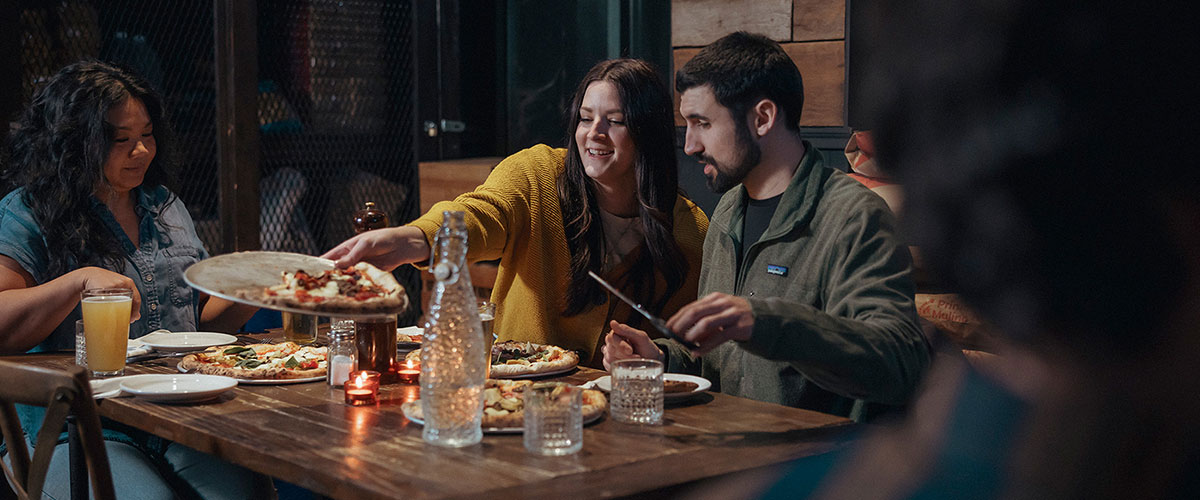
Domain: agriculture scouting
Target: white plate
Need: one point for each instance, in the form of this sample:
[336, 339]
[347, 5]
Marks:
[407, 409]
[533, 375]
[224, 275]
[185, 341]
[260, 381]
[605, 384]
[177, 388]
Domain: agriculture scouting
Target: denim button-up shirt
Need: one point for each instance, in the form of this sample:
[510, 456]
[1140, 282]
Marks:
[168, 245]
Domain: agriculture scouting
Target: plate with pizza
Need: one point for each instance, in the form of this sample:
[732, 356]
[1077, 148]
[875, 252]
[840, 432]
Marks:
[515, 360]
[504, 406]
[282, 363]
[299, 283]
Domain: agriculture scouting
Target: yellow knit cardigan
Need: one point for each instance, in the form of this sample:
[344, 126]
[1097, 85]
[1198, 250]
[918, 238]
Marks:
[515, 216]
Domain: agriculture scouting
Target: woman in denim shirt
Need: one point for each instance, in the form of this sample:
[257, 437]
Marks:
[91, 159]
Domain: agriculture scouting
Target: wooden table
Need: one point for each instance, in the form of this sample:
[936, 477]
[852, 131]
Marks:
[304, 434]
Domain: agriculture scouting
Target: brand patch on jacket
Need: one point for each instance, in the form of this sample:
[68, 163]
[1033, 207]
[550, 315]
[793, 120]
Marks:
[777, 270]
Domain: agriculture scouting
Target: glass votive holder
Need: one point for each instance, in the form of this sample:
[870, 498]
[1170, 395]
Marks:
[637, 391]
[409, 371]
[362, 388]
[553, 419]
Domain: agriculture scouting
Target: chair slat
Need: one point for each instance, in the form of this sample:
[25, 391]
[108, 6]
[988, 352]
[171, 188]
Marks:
[61, 393]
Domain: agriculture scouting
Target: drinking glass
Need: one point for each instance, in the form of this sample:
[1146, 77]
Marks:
[80, 344]
[376, 341]
[299, 328]
[106, 313]
[487, 315]
[553, 419]
[637, 391]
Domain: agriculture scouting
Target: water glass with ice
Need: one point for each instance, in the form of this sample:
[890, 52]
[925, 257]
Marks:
[80, 344]
[553, 419]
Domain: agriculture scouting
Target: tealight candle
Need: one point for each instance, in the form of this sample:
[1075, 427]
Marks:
[362, 388]
[410, 372]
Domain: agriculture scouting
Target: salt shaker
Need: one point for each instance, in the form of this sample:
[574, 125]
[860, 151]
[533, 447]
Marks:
[342, 355]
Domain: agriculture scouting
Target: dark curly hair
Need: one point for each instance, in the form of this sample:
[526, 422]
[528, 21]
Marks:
[58, 152]
[648, 111]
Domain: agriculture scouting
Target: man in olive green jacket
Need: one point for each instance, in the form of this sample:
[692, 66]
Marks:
[802, 267]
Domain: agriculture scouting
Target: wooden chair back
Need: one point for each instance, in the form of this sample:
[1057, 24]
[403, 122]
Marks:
[62, 394]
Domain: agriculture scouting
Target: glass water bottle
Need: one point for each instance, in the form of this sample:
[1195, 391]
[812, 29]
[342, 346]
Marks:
[453, 362]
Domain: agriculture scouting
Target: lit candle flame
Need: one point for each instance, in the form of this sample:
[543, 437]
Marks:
[361, 380]
[409, 364]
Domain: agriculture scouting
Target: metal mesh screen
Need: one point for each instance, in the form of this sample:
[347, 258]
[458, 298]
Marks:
[335, 104]
[336, 108]
[168, 43]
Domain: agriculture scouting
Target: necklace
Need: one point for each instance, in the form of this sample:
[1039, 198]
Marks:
[621, 236]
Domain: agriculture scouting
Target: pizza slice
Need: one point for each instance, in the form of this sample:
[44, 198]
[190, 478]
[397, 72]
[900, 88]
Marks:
[282, 361]
[514, 358]
[362, 288]
[519, 359]
[504, 404]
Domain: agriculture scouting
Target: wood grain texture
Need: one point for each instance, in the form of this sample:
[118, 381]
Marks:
[818, 20]
[445, 180]
[303, 434]
[823, 66]
[699, 22]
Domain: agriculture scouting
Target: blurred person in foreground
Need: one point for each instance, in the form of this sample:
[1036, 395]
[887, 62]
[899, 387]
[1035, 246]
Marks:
[1040, 143]
[608, 203]
[807, 299]
[91, 157]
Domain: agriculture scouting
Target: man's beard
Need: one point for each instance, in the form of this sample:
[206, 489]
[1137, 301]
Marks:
[747, 154]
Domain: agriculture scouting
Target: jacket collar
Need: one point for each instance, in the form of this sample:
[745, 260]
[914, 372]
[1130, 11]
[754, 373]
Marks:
[796, 207]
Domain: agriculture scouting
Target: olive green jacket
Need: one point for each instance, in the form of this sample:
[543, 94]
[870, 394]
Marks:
[828, 281]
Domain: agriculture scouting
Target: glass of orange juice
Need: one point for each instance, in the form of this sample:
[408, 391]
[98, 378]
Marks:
[106, 313]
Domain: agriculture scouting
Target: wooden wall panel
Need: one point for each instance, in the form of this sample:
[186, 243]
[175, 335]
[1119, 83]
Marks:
[680, 57]
[818, 20]
[696, 23]
[445, 180]
[823, 65]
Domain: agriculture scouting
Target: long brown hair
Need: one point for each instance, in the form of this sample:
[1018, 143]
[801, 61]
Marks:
[647, 107]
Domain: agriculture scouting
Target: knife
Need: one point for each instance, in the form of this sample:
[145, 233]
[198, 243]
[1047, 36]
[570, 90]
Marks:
[658, 323]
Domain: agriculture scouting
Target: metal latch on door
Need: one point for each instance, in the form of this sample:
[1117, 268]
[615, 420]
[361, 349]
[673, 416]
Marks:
[432, 129]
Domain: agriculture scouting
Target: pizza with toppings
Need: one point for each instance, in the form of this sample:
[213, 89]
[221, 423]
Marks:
[504, 404]
[282, 361]
[362, 288]
[523, 359]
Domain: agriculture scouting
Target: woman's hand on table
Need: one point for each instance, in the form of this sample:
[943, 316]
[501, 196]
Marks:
[625, 342]
[385, 248]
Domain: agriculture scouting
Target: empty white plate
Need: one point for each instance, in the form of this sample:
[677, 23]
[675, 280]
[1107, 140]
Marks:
[179, 388]
[185, 341]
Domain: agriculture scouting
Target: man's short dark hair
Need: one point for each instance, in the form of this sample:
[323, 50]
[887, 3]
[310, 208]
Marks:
[743, 68]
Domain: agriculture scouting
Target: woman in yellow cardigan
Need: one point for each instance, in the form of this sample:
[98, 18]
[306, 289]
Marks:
[609, 203]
